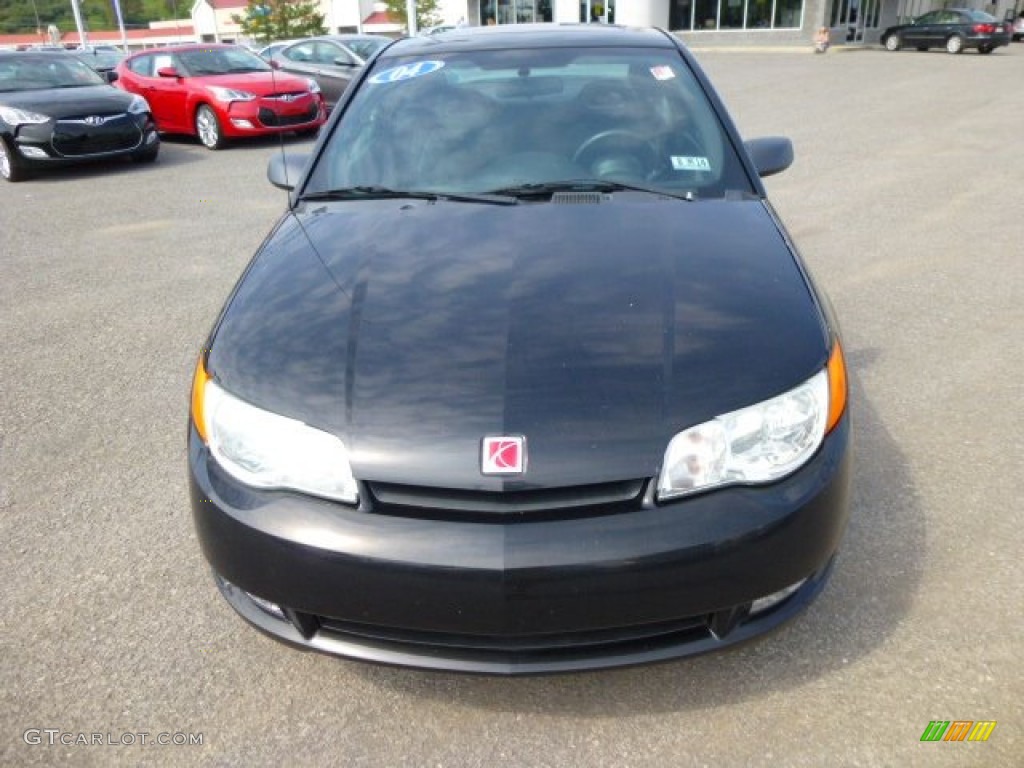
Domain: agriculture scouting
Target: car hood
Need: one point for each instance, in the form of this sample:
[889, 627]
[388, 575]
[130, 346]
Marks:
[413, 329]
[70, 102]
[260, 83]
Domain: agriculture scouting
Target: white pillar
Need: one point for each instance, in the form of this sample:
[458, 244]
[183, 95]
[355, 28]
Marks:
[566, 11]
[642, 13]
[410, 12]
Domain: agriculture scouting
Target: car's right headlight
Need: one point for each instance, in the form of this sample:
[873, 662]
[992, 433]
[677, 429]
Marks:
[758, 444]
[267, 450]
[15, 117]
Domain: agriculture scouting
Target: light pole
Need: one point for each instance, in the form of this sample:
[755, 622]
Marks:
[39, 26]
[82, 40]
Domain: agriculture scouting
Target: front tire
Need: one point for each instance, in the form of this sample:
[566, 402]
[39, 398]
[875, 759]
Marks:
[955, 44]
[147, 155]
[11, 168]
[208, 128]
[892, 43]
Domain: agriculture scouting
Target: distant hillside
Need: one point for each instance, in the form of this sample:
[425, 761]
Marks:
[20, 16]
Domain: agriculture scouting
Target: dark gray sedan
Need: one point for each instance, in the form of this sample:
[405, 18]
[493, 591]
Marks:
[954, 29]
[332, 60]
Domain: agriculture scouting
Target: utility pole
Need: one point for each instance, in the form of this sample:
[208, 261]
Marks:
[82, 40]
[39, 27]
[120, 25]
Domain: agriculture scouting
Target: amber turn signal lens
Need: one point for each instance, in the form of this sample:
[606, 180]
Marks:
[837, 387]
[198, 395]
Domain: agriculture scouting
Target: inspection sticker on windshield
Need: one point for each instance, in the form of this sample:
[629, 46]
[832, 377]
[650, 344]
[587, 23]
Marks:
[686, 163]
[406, 72]
[662, 72]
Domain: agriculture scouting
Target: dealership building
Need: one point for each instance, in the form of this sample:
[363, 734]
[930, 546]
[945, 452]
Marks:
[721, 22]
[697, 22]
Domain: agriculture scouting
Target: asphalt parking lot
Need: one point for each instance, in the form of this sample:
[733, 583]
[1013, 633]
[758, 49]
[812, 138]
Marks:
[905, 199]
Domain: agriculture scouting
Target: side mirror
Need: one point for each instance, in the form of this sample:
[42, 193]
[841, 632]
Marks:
[771, 154]
[342, 61]
[167, 72]
[110, 75]
[274, 64]
[284, 170]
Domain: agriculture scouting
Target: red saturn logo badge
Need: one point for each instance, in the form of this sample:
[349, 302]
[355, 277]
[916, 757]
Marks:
[503, 455]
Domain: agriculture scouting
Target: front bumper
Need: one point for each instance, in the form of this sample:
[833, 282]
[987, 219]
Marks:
[72, 141]
[529, 596]
[268, 116]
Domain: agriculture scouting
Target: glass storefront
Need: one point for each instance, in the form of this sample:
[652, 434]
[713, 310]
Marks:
[514, 11]
[597, 11]
[856, 16]
[735, 14]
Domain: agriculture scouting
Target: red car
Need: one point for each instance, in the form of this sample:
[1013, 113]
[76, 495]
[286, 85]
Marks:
[219, 92]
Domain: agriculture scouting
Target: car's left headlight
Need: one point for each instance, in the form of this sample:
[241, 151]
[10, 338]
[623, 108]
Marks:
[314, 86]
[228, 95]
[758, 444]
[267, 450]
[138, 106]
[15, 117]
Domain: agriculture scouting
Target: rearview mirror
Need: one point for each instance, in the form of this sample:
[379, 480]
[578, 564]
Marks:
[770, 154]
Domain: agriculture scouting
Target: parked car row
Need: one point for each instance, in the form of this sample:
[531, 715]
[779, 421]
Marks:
[54, 109]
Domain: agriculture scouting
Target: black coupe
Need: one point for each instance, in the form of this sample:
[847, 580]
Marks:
[529, 377]
[54, 110]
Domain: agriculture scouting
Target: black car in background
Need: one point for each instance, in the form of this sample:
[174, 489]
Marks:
[332, 60]
[530, 376]
[103, 60]
[56, 110]
[954, 29]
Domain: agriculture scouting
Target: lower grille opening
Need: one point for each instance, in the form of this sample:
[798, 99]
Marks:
[506, 506]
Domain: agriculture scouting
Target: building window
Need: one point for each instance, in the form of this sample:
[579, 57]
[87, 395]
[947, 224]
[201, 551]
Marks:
[514, 11]
[736, 14]
[788, 14]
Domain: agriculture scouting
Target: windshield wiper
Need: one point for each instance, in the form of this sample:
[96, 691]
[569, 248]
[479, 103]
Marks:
[387, 193]
[545, 189]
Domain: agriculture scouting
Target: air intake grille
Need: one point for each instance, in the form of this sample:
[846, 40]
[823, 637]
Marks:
[578, 198]
[508, 506]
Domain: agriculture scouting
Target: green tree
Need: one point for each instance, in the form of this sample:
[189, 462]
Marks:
[269, 20]
[427, 14]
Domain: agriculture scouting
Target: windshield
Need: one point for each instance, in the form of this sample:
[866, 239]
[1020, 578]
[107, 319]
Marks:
[221, 61]
[499, 121]
[34, 73]
[365, 47]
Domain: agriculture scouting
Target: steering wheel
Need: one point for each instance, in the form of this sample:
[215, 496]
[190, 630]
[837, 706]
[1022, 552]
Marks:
[618, 143]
